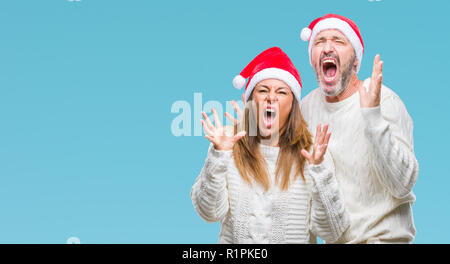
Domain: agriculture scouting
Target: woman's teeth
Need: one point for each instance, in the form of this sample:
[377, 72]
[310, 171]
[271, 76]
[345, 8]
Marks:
[269, 117]
[270, 113]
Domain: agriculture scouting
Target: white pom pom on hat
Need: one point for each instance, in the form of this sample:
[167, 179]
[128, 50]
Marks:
[238, 82]
[306, 34]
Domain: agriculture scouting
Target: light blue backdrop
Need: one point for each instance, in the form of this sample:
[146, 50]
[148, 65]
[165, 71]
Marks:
[86, 90]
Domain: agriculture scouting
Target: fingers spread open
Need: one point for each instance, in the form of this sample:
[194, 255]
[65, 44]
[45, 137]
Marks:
[377, 78]
[318, 132]
[237, 109]
[324, 133]
[206, 129]
[327, 138]
[375, 67]
[216, 119]
[211, 139]
[238, 136]
[376, 61]
[306, 155]
[208, 122]
[231, 118]
[323, 149]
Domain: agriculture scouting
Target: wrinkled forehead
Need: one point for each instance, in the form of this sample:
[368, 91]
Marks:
[330, 33]
[273, 83]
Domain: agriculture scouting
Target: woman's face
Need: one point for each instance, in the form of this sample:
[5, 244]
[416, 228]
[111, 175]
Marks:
[274, 102]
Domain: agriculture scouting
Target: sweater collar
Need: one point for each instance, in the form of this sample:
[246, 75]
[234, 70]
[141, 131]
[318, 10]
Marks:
[331, 107]
[269, 152]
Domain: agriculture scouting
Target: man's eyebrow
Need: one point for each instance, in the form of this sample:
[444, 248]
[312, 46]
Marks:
[320, 38]
[334, 37]
[338, 37]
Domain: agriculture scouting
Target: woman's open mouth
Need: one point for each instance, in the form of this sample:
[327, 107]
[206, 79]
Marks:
[329, 70]
[269, 117]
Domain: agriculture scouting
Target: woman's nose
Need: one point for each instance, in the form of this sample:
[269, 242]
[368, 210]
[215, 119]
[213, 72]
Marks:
[272, 96]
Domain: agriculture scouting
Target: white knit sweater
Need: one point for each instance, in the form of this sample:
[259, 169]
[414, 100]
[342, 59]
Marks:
[375, 165]
[249, 214]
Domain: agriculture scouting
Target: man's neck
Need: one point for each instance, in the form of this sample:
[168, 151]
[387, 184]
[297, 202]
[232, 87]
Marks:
[352, 87]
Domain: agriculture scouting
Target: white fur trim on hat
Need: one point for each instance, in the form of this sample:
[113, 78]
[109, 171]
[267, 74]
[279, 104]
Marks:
[275, 73]
[344, 27]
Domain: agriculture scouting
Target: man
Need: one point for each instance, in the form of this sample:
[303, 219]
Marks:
[372, 134]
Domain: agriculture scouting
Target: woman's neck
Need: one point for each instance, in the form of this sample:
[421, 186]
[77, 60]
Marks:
[272, 141]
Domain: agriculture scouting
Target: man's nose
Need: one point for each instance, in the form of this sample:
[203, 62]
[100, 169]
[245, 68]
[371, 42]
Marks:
[329, 47]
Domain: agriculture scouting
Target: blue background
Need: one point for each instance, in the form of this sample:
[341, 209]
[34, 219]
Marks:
[86, 90]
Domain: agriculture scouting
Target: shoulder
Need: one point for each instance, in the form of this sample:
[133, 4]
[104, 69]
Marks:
[393, 109]
[310, 100]
[387, 94]
[391, 103]
[313, 95]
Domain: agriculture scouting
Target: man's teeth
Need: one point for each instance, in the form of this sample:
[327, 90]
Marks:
[270, 111]
[328, 61]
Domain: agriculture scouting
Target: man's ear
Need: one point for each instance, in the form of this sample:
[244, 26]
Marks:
[355, 65]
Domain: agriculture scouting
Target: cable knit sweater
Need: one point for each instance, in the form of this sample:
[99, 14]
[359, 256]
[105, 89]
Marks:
[249, 214]
[375, 165]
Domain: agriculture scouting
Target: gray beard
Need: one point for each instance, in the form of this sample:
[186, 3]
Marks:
[342, 83]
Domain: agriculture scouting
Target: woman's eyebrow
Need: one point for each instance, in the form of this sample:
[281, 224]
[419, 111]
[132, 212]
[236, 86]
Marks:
[282, 87]
[263, 86]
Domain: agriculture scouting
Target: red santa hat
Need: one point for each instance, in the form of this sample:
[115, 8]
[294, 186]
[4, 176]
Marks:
[272, 63]
[343, 24]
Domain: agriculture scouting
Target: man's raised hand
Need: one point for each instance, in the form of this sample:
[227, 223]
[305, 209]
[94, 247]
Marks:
[372, 97]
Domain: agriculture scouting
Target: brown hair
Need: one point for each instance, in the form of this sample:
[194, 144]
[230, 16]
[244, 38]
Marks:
[294, 136]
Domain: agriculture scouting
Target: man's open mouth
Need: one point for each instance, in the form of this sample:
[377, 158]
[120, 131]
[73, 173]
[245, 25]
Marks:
[329, 70]
[269, 117]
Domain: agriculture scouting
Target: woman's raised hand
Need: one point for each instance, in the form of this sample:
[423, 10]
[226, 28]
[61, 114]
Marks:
[238, 110]
[216, 134]
[319, 147]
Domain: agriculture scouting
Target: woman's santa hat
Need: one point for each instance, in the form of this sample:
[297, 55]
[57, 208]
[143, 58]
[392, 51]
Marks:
[343, 24]
[272, 63]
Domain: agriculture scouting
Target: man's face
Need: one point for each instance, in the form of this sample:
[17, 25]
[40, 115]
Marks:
[334, 60]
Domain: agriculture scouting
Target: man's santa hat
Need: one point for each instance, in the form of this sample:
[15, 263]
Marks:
[272, 63]
[343, 24]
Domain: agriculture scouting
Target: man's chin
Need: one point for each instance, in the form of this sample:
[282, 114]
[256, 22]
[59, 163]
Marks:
[330, 90]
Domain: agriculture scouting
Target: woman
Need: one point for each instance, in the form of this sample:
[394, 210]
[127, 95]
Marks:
[259, 180]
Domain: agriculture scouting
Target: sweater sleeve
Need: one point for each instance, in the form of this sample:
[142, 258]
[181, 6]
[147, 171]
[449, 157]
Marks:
[389, 129]
[210, 194]
[328, 217]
